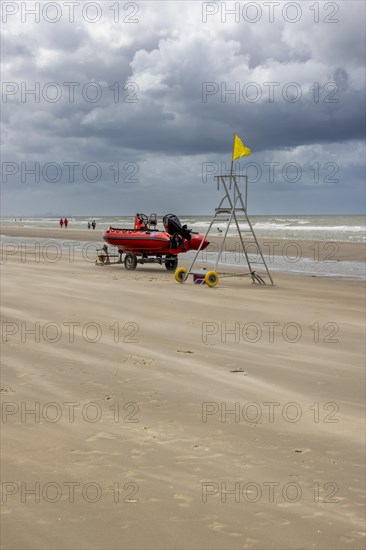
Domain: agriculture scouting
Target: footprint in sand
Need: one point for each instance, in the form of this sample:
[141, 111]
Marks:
[242, 371]
[184, 351]
[138, 361]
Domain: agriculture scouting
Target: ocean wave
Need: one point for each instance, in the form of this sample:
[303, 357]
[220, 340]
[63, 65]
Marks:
[336, 228]
[281, 226]
[343, 228]
[296, 220]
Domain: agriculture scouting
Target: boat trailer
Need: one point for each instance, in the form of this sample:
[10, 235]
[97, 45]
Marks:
[130, 260]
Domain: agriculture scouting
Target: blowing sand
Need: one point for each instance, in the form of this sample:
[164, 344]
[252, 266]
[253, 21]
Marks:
[179, 416]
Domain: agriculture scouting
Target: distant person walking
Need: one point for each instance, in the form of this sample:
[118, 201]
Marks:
[89, 226]
[66, 222]
[94, 224]
[61, 223]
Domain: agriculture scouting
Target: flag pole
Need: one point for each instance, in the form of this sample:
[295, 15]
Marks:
[232, 162]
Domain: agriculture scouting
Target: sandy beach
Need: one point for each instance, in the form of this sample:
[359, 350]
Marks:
[320, 250]
[179, 416]
[139, 412]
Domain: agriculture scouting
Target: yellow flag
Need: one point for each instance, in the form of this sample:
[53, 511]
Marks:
[240, 150]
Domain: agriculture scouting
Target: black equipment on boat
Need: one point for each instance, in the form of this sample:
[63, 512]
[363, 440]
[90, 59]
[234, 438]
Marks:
[172, 225]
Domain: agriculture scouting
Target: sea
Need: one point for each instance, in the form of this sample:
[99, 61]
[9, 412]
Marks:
[329, 229]
[319, 228]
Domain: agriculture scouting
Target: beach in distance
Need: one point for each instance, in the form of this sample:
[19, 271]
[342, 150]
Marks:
[271, 245]
[142, 413]
[334, 245]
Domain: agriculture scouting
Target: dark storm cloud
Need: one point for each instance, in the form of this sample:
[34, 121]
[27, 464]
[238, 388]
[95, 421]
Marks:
[175, 74]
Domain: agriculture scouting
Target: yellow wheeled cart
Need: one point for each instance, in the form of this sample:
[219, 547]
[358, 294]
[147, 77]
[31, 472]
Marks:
[202, 277]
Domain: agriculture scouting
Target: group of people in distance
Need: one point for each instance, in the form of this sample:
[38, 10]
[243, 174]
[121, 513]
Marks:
[65, 222]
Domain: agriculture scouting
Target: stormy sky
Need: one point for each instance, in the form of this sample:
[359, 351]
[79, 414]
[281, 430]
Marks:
[109, 108]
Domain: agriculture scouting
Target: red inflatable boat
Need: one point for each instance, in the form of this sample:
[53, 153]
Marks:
[145, 243]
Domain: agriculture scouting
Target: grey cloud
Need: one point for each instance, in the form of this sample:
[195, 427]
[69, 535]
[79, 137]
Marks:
[169, 55]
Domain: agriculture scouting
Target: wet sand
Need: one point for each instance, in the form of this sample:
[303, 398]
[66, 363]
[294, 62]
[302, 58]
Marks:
[318, 250]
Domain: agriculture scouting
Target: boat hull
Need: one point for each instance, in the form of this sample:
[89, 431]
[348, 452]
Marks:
[150, 243]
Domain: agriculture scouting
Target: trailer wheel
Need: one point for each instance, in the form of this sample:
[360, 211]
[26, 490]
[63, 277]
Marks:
[130, 261]
[180, 274]
[211, 278]
[171, 263]
[102, 258]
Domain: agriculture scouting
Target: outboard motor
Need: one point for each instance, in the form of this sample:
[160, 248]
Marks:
[173, 226]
